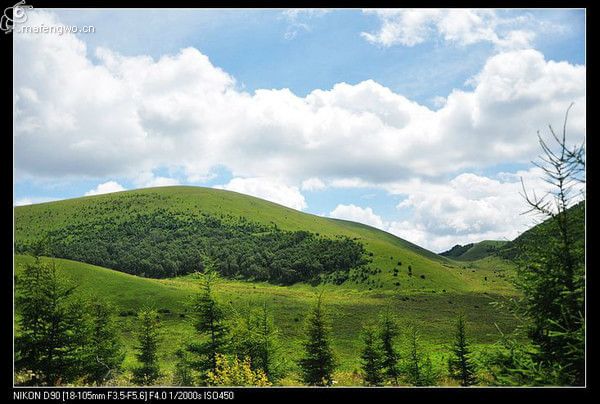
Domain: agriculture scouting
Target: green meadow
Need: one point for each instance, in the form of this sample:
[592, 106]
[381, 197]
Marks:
[431, 297]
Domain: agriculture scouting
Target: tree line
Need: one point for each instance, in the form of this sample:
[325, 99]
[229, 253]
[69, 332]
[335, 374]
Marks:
[164, 244]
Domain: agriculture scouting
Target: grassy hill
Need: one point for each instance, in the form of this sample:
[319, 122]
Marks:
[474, 251]
[348, 310]
[429, 271]
[529, 241]
[538, 236]
[431, 294]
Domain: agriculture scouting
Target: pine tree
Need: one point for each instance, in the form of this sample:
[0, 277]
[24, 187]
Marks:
[183, 369]
[147, 350]
[388, 333]
[268, 357]
[460, 364]
[418, 367]
[209, 321]
[54, 327]
[318, 363]
[372, 358]
[552, 275]
[255, 337]
[105, 353]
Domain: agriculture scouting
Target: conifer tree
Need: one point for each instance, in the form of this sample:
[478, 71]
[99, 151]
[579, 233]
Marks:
[552, 275]
[418, 366]
[372, 358]
[105, 350]
[53, 326]
[183, 369]
[209, 322]
[269, 358]
[460, 364]
[318, 363]
[255, 337]
[147, 350]
[388, 332]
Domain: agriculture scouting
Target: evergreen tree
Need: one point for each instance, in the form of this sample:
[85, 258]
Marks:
[552, 275]
[372, 358]
[53, 325]
[183, 369]
[418, 367]
[318, 363]
[147, 350]
[105, 350]
[391, 358]
[256, 338]
[460, 364]
[209, 321]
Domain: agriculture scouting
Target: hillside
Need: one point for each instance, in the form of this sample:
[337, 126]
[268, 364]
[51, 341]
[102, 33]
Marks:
[474, 251]
[534, 239]
[164, 226]
[538, 236]
[149, 222]
[348, 310]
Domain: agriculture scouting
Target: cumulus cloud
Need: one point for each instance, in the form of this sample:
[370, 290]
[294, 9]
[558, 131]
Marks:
[105, 188]
[82, 113]
[410, 27]
[469, 208]
[358, 214]
[270, 189]
[32, 200]
[148, 179]
[121, 115]
[313, 184]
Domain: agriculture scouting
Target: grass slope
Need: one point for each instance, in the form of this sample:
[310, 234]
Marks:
[349, 310]
[474, 251]
[537, 237]
[430, 271]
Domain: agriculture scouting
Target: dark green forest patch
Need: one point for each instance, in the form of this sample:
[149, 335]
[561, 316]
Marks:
[164, 244]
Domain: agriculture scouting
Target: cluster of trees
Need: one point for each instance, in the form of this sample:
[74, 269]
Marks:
[382, 362]
[163, 244]
[63, 337]
[238, 351]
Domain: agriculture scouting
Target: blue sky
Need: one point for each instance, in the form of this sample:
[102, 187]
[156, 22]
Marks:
[413, 143]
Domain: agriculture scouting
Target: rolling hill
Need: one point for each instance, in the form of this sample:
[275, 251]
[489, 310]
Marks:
[127, 216]
[418, 286]
[474, 251]
[528, 241]
[538, 236]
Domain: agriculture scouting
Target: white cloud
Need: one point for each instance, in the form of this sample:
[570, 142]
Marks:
[299, 20]
[32, 200]
[105, 188]
[119, 116]
[357, 214]
[270, 189]
[313, 184]
[148, 179]
[469, 208]
[181, 112]
[410, 27]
